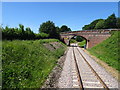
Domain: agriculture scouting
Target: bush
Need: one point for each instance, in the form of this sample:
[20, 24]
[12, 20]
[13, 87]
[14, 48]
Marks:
[27, 64]
[41, 36]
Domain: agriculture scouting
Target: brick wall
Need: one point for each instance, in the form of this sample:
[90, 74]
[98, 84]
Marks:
[94, 40]
[93, 37]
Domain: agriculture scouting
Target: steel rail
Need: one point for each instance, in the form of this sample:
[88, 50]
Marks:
[98, 77]
[78, 72]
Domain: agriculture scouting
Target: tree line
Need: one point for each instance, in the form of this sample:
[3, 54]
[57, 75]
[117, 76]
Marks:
[112, 22]
[46, 30]
[49, 30]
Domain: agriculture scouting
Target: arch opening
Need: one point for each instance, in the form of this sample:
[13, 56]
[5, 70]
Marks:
[79, 41]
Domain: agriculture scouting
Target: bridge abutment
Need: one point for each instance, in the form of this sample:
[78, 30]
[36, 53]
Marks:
[94, 40]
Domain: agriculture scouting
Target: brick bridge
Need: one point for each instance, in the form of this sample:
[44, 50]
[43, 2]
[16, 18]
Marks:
[92, 37]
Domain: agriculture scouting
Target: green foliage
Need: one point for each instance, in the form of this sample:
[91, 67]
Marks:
[21, 27]
[91, 25]
[86, 27]
[58, 29]
[49, 28]
[29, 34]
[64, 28]
[27, 64]
[41, 35]
[81, 44]
[109, 23]
[108, 50]
[79, 38]
[53, 31]
[118, 23]
[73, 41]
[21, 34]
[100, 24]
[46, 30]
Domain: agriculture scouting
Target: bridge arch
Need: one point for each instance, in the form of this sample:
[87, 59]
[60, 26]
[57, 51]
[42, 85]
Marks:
[86, 39]
[93, 37]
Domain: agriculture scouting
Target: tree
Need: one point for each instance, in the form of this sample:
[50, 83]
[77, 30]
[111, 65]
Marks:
[110, 22]
[29, 34]
[64, 28]
[22, 32]
[21, 27]
[118, 23]
[58, 32]
[48, 28]
[17, 33]
[92, 25]
[58, 29]
[8, 33]
[86, 27]
[100, 24]
[79, 38]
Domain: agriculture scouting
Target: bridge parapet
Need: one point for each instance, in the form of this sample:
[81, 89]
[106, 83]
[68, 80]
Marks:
[91, 31]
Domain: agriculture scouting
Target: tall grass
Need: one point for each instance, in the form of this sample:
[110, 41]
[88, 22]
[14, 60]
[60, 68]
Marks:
[26, 64]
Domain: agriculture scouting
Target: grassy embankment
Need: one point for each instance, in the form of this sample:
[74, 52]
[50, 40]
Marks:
[27, 64]
[108, 50]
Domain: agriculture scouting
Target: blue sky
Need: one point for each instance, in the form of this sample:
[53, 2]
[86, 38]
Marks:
[73, 14]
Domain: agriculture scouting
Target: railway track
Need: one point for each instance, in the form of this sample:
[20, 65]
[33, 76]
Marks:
[87, 76]
[81, 71]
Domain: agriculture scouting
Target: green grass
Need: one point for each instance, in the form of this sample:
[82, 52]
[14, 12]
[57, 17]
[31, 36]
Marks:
[81, 44]
[73, 41]
[27, 64]
[108, 50]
